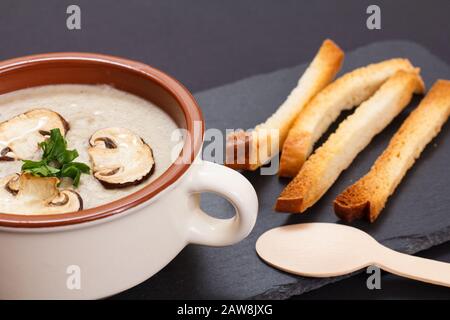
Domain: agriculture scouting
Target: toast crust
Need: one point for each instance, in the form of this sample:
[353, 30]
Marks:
[322, 169]
[241, 151]
[344, 93]
[367, 197]
[263, 144]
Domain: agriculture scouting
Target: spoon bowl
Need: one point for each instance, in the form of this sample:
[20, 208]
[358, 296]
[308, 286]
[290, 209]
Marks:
[316, 249]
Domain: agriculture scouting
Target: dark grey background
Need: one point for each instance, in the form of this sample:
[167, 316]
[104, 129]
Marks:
[206, 43]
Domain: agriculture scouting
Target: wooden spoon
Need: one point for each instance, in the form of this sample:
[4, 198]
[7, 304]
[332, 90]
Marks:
[327, 250]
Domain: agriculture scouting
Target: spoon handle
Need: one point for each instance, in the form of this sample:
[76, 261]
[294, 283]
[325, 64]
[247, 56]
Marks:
[421, 269]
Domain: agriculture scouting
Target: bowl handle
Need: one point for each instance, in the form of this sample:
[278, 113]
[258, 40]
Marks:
[215, 178]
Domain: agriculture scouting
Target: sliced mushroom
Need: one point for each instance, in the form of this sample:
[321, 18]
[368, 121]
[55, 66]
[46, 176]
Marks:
[13, 184]
[20, 136]
[31, 195]
[120, 158]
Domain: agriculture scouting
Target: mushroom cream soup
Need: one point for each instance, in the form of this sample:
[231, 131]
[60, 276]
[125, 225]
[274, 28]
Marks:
[115, 117]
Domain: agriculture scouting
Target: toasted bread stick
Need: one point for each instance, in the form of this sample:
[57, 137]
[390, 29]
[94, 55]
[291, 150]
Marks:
[260, 145]
[322, 169]
[367, 197]
[344, 93]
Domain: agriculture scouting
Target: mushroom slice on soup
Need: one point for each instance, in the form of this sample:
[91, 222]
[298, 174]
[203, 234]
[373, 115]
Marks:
[120, 158]
[20, 136]
[27, 194]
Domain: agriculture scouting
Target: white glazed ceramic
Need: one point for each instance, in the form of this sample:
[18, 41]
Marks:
[119, 245]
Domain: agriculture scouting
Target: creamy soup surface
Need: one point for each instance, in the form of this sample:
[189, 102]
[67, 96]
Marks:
[88, 108]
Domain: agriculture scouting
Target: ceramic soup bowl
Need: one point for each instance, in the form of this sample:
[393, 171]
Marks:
[101, 251]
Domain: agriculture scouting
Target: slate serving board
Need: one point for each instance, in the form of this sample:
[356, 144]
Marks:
[416, 217]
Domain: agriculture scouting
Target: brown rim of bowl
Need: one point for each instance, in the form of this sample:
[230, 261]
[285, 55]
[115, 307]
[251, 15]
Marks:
[191, 146]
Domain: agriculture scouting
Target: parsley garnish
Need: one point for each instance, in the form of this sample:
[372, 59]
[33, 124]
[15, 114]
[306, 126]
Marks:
[56, 161]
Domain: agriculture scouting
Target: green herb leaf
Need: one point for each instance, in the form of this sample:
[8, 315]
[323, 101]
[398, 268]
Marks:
[66, 156]
[74, 170]
[56, 161]
[42, 170]
[30, 164]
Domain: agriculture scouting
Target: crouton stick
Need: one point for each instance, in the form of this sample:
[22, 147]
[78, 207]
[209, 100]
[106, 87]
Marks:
[367, 197]
[322, 169]
[344, 93]
[260, 145]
